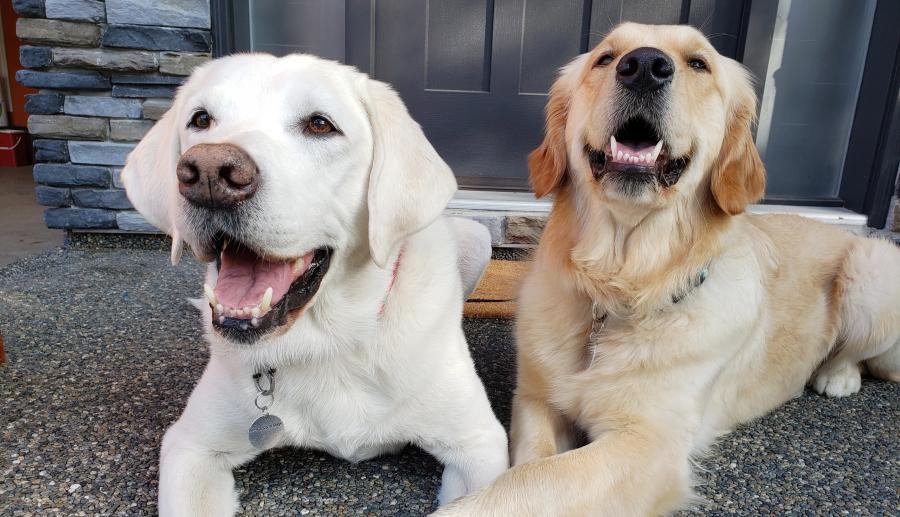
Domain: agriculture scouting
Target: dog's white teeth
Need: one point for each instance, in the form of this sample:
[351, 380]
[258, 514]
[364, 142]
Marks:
[619, 155]
[656, 150]
[613, 145]
[221, 320]
[254, 322]
[210, 295]
[219, 308]
[255, 312]
[266, 302]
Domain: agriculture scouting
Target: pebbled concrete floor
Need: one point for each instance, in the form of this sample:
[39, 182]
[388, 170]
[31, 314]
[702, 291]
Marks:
[104, 349]
[22, 228]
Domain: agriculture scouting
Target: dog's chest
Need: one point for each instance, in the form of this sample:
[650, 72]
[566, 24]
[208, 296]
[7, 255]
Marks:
[616, 364]
[347, 415]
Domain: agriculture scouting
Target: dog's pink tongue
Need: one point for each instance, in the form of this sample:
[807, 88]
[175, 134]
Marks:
[244, 278]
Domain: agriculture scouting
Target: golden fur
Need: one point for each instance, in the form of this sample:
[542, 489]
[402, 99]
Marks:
[787, 300]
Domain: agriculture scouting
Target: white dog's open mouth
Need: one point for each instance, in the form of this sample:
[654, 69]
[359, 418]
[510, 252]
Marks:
[254, 295]
[636, 151]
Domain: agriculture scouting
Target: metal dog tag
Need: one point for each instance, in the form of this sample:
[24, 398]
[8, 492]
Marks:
[264, 430]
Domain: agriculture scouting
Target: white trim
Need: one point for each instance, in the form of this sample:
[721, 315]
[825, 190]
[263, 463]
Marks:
[825, 214]
[499, 201]
[503, 201]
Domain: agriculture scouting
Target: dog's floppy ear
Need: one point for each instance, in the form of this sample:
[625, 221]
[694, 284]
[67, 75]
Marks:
[149, 173]
[738, 175]
[409, 184]
[547, 164]
[149, 176]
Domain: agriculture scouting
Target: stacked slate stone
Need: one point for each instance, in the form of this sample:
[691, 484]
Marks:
[105, 70]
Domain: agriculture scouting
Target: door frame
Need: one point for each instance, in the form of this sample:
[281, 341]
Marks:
[873, 151]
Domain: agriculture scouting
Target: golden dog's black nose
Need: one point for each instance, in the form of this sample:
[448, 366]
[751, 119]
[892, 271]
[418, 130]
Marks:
[645, 69]
[217, 175]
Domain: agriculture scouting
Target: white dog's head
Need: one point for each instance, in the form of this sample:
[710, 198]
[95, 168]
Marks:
[275, 168]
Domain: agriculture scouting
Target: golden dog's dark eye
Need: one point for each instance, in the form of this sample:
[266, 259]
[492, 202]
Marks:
[200, 120]
[697, 64]
[319, 125]
[604, 60]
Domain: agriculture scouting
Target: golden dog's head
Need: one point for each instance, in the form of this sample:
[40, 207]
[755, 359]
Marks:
[651, 116]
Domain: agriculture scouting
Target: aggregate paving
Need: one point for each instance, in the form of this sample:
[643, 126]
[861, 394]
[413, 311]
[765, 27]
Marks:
[103, 350]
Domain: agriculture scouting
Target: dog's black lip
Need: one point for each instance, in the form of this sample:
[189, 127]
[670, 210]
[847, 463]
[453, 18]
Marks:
[297, 297]
[667, 171]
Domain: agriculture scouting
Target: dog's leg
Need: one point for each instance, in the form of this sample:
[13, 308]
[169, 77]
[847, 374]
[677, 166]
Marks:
[537, 429]
[473, 248]
[472, 459]
[193, 479]
[469, 440]
[622, 473]
[869, 316]
[202, 447]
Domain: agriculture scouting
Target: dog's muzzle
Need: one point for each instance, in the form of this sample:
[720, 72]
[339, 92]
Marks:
[217, 176]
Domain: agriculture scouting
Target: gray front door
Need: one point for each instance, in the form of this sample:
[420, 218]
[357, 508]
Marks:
[474, 73]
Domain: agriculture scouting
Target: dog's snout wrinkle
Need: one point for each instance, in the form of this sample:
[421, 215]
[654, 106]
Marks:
[217, 176]
[645, 69]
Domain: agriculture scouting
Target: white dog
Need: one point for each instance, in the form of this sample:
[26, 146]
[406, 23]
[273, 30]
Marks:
[334, 287]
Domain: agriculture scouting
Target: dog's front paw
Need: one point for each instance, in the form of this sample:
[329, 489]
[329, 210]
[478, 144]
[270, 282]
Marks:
[838, 382]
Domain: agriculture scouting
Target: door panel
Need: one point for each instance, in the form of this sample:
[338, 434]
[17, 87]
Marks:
[458, 37]
[551, 36]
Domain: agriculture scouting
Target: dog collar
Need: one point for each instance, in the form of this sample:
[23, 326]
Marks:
[599, 317]
[698, 280]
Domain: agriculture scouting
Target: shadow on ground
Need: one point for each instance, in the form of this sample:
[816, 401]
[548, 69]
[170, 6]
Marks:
[104, 349]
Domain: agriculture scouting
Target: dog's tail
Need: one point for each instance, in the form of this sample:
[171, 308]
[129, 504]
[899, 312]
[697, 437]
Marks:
[473, 248]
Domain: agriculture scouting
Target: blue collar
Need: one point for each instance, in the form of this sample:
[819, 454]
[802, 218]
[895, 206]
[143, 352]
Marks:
[697, 282]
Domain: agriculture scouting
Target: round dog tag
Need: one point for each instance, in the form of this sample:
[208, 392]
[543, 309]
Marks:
[264, 431]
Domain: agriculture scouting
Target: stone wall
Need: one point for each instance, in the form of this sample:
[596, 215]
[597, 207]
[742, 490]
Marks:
[106, 70]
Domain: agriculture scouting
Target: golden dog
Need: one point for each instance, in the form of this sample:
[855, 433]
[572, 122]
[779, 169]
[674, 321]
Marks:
[657, 315]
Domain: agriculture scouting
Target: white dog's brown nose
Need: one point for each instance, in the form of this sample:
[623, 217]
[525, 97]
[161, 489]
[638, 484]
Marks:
[645, 69]
[217, 175]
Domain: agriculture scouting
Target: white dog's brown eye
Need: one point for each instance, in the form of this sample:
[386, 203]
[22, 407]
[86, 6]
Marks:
[604, 60]
[697, 64]
[200, 120]
[319, 125]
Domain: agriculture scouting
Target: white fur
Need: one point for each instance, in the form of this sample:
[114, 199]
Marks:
[349, 381]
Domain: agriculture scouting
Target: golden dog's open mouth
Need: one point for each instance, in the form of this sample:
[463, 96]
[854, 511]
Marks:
[254, 295]
[638, 153]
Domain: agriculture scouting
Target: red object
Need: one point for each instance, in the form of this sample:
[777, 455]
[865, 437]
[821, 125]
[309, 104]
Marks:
[16, 105]
[15, 148]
